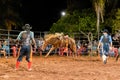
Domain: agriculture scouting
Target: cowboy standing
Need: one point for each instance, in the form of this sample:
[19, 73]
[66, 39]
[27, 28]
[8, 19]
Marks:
[25, 38]
[105, 42]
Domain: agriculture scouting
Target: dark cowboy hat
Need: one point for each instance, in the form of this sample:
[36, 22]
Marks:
[105, 30]
[26, 27]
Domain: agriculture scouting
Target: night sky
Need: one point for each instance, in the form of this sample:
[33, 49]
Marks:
[42, 13]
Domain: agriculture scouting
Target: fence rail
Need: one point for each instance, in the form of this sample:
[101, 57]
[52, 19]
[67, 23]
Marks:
[6, 35]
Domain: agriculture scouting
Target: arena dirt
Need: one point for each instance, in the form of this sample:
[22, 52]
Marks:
[56, 67]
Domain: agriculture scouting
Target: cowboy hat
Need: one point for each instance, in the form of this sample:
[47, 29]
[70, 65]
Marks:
[26, 27]
[105, 30]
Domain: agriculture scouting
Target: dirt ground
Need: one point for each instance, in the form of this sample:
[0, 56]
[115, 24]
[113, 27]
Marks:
[56, 67]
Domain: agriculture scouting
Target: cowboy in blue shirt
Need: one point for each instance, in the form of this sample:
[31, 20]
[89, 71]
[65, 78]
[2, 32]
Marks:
[105, 42]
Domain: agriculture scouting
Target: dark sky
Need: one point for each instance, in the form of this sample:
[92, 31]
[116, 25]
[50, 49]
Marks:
[42, 13]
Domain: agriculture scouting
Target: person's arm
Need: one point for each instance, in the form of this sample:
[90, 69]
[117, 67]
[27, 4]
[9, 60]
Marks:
[17, 40]
[33, 39]
[19, 36]
[99, 43]
[110, 40]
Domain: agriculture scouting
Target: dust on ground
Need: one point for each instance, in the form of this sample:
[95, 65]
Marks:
[61, 68]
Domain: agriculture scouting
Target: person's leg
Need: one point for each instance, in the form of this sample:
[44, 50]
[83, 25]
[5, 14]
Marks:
[100, 52]
[105, 53]
[29, 56]
[19, 59]
[3, 52]
[7, 53]
[14, 52]
[40, 50]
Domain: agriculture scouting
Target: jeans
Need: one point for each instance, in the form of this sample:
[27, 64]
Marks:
[25, 51]
[105, 49]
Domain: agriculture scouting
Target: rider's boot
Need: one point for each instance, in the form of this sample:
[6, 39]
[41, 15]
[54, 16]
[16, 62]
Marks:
[17, 65]
[29, 66]
[104, 57]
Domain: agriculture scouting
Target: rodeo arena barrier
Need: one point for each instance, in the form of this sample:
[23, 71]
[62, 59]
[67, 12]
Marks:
[84, 47]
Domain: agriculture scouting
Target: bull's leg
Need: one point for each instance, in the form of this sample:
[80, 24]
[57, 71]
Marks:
[74, 50]
[51, 49]
[66, 51]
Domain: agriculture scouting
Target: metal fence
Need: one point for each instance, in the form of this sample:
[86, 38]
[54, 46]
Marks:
[6, 35]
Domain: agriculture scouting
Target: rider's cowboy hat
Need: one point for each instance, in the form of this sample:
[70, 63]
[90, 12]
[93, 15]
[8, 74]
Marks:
[105, 30]
[26, 27]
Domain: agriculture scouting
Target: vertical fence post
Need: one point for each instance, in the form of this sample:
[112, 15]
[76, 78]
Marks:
[9, 42]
